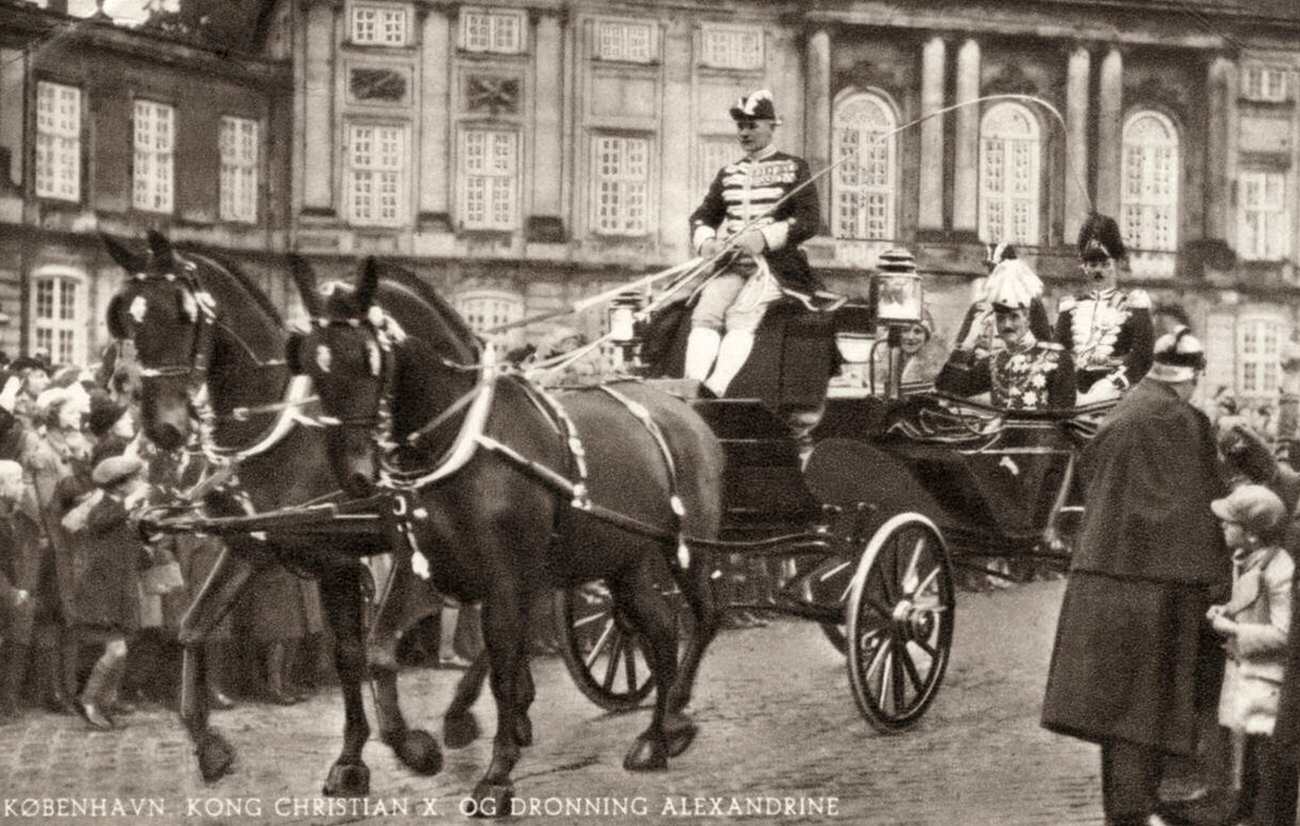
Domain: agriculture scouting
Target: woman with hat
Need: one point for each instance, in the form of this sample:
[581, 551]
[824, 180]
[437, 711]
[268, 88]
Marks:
[1025, 373]
[1109, 330]
[761, 208]
[108, 597]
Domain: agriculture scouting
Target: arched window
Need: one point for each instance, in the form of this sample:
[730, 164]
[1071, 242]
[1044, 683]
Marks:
[1149, 203]
[862, 190]
[1010, 168]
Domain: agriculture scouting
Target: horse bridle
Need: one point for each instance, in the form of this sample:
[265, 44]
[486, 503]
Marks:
[196, 371]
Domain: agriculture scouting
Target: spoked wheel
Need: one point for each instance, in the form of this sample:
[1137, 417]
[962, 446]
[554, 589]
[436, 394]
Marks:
[606, 658]
[899, 617]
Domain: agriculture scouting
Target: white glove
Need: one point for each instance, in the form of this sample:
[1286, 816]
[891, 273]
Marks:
[420, 565]
[752, 242]
[977, 326]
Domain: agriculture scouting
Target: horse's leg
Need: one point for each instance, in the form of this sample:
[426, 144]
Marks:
[228, 577]
[416, 748]
[341, 594]
[459, 727]
[527, 693]
[503, 632]
[697, 589]
[635, 594]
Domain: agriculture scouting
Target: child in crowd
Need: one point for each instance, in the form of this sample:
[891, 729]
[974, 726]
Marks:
[1255, 624]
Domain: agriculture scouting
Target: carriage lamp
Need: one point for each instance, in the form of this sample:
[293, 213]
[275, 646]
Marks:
[899, 297]
[855, 328]
[623, 331]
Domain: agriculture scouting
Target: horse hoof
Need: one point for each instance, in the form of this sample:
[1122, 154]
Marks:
[347, 780]
[492, 800]
[646, 755]
[523, 730]
[460, 730]
[680, 737]
[215, 756]
[417, 749]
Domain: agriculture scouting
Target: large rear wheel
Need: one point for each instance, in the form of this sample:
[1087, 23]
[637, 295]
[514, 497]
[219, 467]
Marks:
[899, 619]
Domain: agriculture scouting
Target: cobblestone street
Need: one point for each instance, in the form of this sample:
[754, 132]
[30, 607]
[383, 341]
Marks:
[777, 720]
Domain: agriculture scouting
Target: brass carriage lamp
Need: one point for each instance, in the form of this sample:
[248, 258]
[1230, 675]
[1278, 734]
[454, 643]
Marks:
[623, 333]
[899, 300]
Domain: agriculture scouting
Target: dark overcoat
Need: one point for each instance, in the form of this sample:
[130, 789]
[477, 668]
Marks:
[21, 551]
[1134, 658]
[108, 595]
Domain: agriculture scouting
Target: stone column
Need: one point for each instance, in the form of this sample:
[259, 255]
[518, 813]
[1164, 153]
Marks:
[933, 56]
[434, 106]
[1110, 133]
[1220, 154]
[817, 117]
[965, 196]
[1076, 142]
[13, 70]
[544, 221]
[318, 135]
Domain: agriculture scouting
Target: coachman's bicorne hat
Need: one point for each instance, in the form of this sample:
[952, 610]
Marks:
[1099, 238]
[1178, 357]
[755, 106]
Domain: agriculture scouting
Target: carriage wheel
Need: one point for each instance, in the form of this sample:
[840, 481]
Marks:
[900, 616]
[605, 657]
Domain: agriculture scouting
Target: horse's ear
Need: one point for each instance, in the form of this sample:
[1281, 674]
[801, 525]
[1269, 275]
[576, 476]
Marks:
[304, 277]
[161, 250]
[114, 319]
[125, 259]
[292, 346]
[367, 283]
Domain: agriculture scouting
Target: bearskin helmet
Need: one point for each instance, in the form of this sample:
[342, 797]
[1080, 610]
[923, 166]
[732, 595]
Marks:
[1099, 237]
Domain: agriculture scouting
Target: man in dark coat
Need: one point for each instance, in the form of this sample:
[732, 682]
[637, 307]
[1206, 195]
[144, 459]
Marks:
[1132, 662]
[20, 555]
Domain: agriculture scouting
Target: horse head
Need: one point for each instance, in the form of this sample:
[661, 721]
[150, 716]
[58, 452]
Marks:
[166, 316]
[360, 337]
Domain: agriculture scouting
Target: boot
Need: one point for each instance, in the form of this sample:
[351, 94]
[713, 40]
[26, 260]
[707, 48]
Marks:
[11, 679]
[276, 654]
[701, 350]
[97, 690]
[215, 667]
[732, 355]
[53, 697]
[69, 663]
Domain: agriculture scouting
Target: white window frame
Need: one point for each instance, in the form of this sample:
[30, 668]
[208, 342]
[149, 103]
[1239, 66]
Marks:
[999, 203]
[724, 46]
[1152, 169]
[626, 41]
[491, 170]
[1259, 357]
[1263, 219]
[498, 31]
[859, 119]
[621, 188]
[60, 311]
[58, 141]
[1263, 83]
[239, 169]
[372, 24]
[153, 186]
[485, 309]
[376, 181]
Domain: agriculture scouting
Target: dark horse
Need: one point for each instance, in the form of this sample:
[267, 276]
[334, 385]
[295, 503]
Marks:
[205, 335]
[485, 456]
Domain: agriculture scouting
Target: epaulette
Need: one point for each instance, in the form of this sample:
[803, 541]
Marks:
[1139, 300]
[1051, 345]
[1066, 304]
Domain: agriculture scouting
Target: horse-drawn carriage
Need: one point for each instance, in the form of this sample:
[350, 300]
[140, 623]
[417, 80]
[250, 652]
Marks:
[644, 490]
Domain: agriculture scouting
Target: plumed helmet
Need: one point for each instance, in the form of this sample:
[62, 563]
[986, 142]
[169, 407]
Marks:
[1013, 285]
[1099, 237]
[755, 106]
[995, 254]
[1177, 357]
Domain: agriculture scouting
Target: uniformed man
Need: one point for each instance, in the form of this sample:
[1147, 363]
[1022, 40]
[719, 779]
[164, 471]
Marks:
[1025, 373]
[753, 207]
[1108, 330]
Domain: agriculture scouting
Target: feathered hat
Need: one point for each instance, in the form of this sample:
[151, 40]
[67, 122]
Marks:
[995, 254]
[1177, 358]
[1099, 238]
[1013, 285]
[755, 106]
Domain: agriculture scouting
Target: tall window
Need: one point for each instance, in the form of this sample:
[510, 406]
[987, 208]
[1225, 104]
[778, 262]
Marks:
[1258, 359]
[1010, 165]
[489, 179]
[1265, 83]
[732, 47]
[238, 169]
[378, 26]
[376, 168]
[622, 181]
[492, 31]
[1149, 209]
[486, 309]
[58, 141]
[625, 40]
[1264, 232]
[862, 190]
[155, 141]
[715, 153]
[59, 314]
